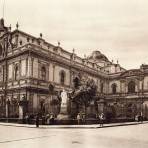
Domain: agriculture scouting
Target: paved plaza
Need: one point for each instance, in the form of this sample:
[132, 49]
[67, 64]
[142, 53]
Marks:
[133, 136]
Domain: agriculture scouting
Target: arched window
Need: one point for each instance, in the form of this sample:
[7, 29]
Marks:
[114, 88]
[62, 77]
[16, 72]
[102, 87]
[131, 87]
[0, 50]
[43, 73]
[76, 82]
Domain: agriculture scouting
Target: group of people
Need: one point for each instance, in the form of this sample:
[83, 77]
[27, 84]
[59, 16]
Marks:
[101, 118]
[139, 118]
[28, 118]
[49, 119]
[81, 118]
[39, 119]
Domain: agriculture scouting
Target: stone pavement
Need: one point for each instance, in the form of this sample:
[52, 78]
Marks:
[73, 126]
[134, 136]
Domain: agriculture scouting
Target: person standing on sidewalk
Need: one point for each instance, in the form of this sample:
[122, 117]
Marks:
[83, 118]
[78, 118]
[51, 119]
[141, 117]
[27, 118]
[37, 120]
[101, 117]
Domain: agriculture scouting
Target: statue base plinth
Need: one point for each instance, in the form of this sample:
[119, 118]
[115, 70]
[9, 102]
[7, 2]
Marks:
[62, 117]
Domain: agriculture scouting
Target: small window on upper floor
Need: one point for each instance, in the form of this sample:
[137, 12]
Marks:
[43, 73]
[76, 82]
[16, 72]
[1, 50]
[62, 77]
[114, 88]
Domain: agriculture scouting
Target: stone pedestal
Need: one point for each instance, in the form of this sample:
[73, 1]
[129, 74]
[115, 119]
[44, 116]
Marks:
[63, 112]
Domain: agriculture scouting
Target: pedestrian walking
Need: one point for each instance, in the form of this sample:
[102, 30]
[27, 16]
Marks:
[37, 120]
[101, 117]
[141, 117]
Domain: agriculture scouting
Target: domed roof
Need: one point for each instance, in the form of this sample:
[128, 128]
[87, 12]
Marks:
[97, 55]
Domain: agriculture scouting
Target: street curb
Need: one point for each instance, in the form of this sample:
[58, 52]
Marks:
[66, 127]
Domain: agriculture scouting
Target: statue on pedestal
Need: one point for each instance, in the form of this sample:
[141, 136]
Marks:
[63, 110]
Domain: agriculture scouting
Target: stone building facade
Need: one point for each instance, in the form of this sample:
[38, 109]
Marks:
[30, 67]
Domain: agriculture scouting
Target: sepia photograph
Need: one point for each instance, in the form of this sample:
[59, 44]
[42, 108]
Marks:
[73, 74]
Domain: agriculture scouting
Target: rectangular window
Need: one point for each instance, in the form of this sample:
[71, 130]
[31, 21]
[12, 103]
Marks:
[1, 73]
[23, 67]
[10, 71]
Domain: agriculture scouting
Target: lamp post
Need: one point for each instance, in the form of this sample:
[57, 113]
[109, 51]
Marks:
[7, 108]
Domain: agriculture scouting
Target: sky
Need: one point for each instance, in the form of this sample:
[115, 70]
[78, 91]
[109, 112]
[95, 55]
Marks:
[117, 28]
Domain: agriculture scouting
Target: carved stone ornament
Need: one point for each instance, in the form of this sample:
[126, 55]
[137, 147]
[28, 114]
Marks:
[129, 73]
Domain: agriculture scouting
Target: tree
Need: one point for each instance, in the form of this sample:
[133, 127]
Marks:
[85, 93]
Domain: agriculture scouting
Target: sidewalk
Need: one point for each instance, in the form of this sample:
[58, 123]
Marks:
[73, 126]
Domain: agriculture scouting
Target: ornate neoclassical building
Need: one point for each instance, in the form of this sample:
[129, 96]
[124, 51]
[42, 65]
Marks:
[30, 68]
